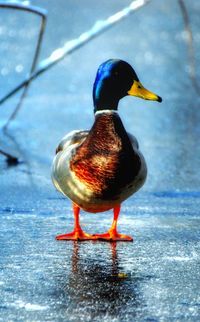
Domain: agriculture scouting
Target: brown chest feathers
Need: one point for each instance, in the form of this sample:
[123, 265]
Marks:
[106, 161]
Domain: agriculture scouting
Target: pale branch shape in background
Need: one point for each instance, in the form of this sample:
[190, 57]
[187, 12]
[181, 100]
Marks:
[33, 67]
[190, 43]
[12, 160]
[72, 45]
[60, 53]
[98, 28]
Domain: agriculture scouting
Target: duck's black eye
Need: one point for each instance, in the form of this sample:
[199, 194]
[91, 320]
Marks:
[139, 86]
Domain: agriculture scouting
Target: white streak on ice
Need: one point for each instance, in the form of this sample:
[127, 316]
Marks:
[29, 306]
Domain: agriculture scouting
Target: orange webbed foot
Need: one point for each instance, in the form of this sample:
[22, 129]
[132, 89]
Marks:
[113, 236]
[76, 235]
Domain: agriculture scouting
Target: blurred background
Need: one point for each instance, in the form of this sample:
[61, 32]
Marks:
[162, 42]
[153, 40]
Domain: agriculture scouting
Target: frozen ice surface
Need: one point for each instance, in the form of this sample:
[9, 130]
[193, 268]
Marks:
[155, 278]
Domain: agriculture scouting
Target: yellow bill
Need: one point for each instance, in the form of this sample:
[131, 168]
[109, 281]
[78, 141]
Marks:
[137, 89]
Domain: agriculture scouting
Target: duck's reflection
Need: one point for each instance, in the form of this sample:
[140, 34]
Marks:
[76, 258]
[97, 284]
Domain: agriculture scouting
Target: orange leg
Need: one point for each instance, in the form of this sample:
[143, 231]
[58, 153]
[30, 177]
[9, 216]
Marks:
[78, 233]
[112, 234]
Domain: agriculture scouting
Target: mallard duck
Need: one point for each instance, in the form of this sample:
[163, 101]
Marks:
[100, 168]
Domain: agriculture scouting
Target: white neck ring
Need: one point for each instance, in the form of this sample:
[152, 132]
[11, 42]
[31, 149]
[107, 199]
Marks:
[106, 111]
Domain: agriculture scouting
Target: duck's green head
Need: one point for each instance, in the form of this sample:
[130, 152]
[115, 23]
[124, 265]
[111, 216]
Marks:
[115, 79]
